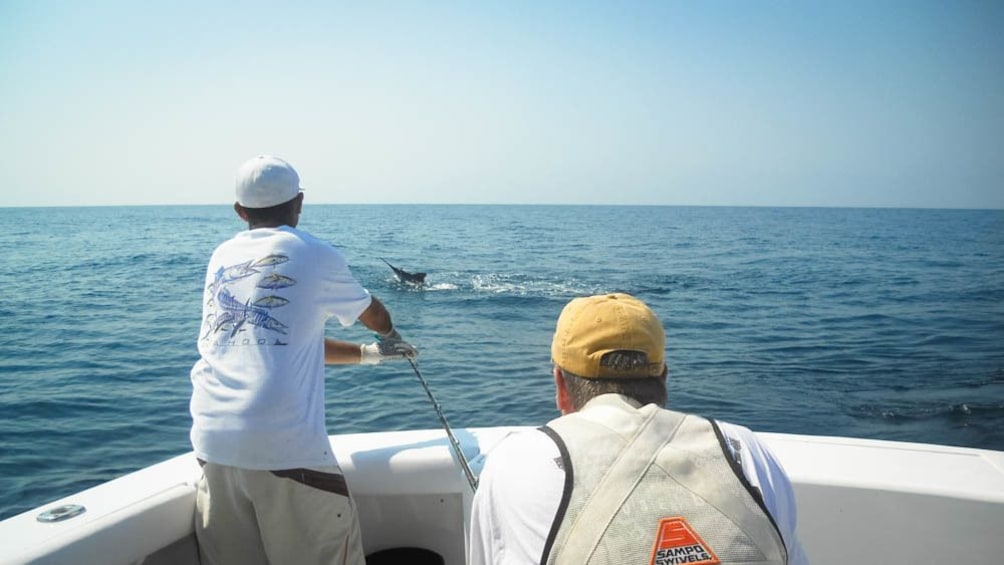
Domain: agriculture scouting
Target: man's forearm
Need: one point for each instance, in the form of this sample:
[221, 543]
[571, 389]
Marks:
[376, 317]
[340, 352]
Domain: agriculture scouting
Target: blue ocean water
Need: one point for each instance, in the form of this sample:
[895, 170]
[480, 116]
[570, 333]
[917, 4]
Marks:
[875, 323]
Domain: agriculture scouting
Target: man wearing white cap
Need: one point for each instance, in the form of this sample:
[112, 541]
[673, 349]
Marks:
[618, 478]
[272, 490]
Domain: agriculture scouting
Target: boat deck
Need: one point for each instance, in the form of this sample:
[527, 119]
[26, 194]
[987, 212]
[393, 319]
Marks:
[861, 501]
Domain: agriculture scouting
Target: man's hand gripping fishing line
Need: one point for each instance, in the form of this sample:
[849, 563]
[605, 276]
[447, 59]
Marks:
[388, 346]
[392, 346]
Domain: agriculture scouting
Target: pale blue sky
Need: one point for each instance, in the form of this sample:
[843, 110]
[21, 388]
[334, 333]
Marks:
[875, 103]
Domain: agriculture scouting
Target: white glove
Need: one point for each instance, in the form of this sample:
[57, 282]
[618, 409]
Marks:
[370, 354]
[389, 346]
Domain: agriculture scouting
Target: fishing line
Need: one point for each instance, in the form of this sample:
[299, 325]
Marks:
[471, 478]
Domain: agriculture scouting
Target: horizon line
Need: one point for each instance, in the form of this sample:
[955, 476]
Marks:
[500, 204]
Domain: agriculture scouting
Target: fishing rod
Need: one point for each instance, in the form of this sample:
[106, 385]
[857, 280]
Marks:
[471, 478]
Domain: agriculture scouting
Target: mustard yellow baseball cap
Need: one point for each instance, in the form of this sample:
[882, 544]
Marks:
[609, 336]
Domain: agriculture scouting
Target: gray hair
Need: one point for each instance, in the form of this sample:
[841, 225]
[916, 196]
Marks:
[646, 390]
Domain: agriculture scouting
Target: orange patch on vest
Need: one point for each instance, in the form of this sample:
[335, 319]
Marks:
[676, 543]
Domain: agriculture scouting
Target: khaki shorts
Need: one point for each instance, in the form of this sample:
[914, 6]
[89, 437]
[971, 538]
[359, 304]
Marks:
[295, 516]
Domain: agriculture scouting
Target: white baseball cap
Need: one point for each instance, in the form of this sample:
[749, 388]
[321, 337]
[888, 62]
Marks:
[265, 181]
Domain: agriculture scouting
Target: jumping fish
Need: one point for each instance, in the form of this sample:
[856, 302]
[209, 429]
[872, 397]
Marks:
[405, 276]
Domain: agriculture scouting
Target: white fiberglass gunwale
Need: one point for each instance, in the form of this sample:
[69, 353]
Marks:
[859, 500]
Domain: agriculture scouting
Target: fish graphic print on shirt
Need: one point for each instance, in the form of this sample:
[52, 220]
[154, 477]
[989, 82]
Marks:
[245, 295]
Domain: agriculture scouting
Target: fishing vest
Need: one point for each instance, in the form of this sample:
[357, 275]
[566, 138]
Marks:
[645, 485]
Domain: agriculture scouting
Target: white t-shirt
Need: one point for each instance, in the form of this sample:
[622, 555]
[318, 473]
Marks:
[521, 485]
[258, 389]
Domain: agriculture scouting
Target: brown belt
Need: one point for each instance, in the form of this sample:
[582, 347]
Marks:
[328, 482]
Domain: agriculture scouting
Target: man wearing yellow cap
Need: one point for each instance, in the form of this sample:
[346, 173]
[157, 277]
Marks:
[618, 479]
